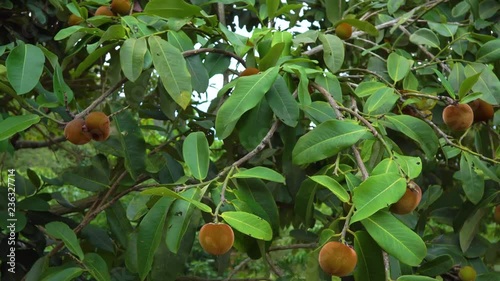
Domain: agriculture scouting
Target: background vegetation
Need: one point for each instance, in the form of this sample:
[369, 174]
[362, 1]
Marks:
[314, 148]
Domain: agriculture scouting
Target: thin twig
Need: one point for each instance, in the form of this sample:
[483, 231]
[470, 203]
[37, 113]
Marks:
[214, 50]
[101, 98]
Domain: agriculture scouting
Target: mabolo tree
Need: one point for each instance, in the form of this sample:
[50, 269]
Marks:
[362, 135]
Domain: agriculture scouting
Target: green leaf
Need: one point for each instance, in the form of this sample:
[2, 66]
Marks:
[411, 166]
[326, 140]
[196, 153]
[360, 24]
[15, 124]
[394, 5]
[415, 278]
[304, 201]
[395, 238]
[62, 231]
[469, 229]
[381, 102]
[437, 266]
[467, 85]
[367, 88]
[38, 268]
[249, 224]
[447, 30]
[179, 218]
[488, 82]
[67, 274]
[387, 165]
[377, 192]
[172, 9]
[132, 54]
[164, 191]
[333, 51]
[330, 82]
[425, 36]
[282, 103]
[481, 165]
[370, 266]
[61, 89]
[97, 267]
[24, 67]
[417, 130]
[92, 58]
[131, 143]
[149, 233]
[335, 10]
[472, 183]
[172, 68]
[247, 93]
[445, 82]
[260, 173]
[333, 186]
[272, 56]
[489, 52]
[272, 7]
[398, 66]
[319, 112]
[118, 223]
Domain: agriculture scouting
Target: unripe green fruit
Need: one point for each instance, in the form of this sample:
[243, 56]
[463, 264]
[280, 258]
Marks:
[467, 273]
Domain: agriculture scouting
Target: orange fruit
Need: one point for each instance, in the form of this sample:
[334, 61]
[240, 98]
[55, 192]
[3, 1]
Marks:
[216, 238]
[337, 259]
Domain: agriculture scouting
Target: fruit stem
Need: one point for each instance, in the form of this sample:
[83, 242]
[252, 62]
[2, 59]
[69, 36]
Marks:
[222, 194]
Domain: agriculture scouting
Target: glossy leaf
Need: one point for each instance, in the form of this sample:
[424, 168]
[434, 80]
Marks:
[388, 165]
[24, 67]
[411, 166]
[332, 185]
[375, 193]
[467, 85]
[425, 36]
[395, 238]
[97, 267]
[319, 112]
[382, 101]
[131, 142]
[179, 218]
[249, 224]
[67, 274]
[472, 183]
[260, 173]
[437, 266]
[172, 68]
[487, 84]
[282, 102]
[14, 124]
[196, 153]
[163, 191]
[489, 52]
[333, 51]
[398, 66]
[171, 9]
[149, 233]
[326, 140]
[132, 54]
[447, 30]
[247, 93]
[62, 231]
[370, 266]
[417, 130]
[368, 88]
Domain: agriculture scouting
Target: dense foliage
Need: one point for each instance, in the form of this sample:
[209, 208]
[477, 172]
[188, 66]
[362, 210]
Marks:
[341, 135]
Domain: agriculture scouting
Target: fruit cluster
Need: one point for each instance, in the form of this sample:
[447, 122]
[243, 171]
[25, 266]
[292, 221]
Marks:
[94, 127]
[459, 117]
[121, 7]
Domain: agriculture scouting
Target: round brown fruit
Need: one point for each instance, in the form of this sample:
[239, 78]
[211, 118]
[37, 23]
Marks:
[98, 125]
[74, 20]
[409, 201]
[249, 71]
[483, 111]
[496, 215]
[216, 238]
[121, 7]
[467, 273]
[458, 117]
[343, 31]
[104, 11]
[337, 259]
[76, 133]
